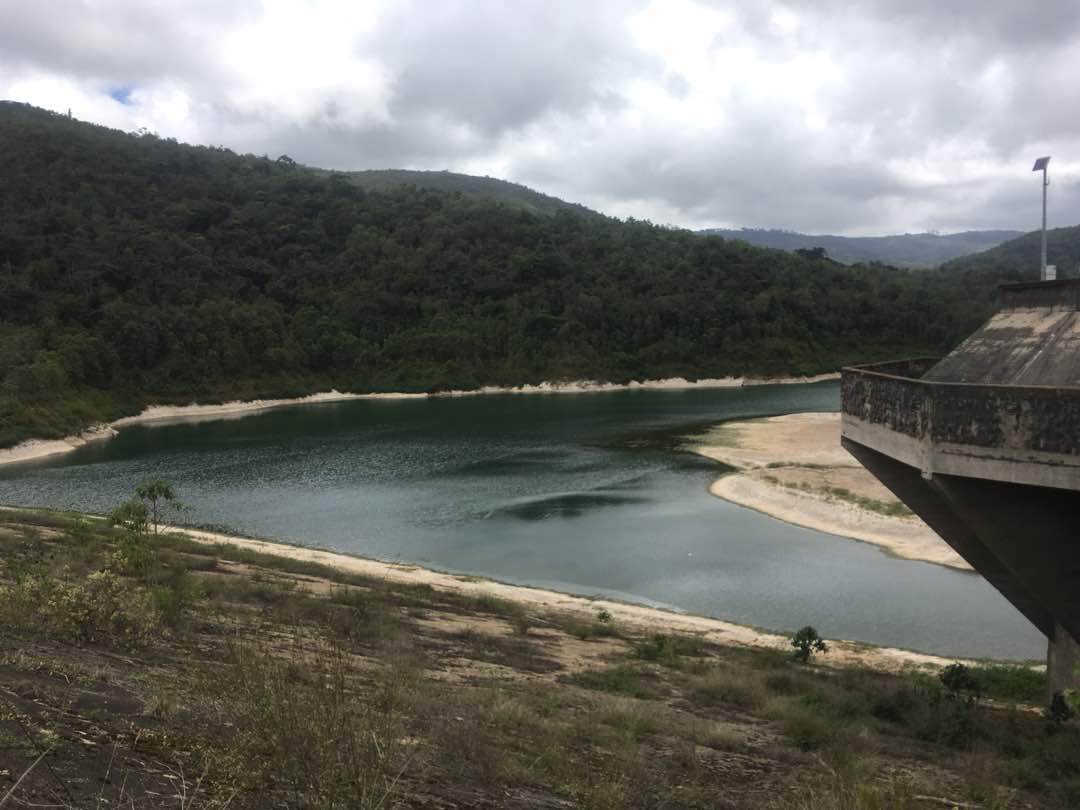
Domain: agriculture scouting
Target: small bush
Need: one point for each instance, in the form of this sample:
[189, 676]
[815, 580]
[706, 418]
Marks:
[1011, 683]
[950, 722]
[667, 649]
[522, 624]
[805, 728]
[588, 630]
[959, 680]
[104, 608]
[622, 679]
[720, 686]
[723, 739]
[630, 718]
[176, 599]
[806, 642]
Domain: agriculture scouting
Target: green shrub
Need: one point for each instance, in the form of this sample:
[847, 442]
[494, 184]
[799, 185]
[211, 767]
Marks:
[587, 630]
[104, 608]
[720, 686]
[805, 728]
[1012, 683]
[667, 649]
[806, 642]
[176, 599]
[622, 679]
[954, 723]
[959, 680]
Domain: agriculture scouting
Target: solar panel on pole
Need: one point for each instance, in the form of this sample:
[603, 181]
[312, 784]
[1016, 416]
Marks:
[1040, 165]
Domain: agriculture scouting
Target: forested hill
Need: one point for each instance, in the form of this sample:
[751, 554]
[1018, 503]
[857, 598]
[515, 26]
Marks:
[490, 188]
[1018, 259]
[900, 250]
[136, 270]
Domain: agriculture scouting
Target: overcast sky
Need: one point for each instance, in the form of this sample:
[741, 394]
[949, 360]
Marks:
[844, 116]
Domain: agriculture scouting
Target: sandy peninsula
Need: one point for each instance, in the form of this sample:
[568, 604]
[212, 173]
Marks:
[793, 468]
[163, 414]
[639, 617]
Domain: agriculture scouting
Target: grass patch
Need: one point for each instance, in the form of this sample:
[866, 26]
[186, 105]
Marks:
[727, 687]
[586, 630]
[668, 650]
[1017, 684]
[622, 679]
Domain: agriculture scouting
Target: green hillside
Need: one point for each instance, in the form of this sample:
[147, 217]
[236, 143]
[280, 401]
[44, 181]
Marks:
[901, 250]
[1018, 259]
[135, 269]
[489, 188]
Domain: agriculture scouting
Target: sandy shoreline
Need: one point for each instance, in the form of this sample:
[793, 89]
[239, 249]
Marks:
[639, 617]
[642, 618]
[789, 468]
[41, 448]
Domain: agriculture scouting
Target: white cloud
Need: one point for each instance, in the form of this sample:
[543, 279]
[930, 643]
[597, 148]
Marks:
[839, 115]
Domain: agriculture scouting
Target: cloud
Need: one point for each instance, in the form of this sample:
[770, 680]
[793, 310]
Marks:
[843, 116]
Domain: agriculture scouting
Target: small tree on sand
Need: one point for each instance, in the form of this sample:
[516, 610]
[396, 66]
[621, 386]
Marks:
[807, 642]
[158, 495]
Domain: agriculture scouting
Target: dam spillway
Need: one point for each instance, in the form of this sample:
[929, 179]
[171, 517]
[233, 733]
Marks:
[984, 445]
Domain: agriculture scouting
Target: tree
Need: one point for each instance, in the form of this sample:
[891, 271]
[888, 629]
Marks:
[132, 554]
[131, 516]
[158, 495]
[816, 253]
[806, 642]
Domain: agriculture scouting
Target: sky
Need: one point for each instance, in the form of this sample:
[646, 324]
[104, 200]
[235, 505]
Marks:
[825, 116]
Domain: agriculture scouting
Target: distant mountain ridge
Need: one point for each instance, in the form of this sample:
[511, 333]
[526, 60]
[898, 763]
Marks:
[1018, 258]
[900, 250]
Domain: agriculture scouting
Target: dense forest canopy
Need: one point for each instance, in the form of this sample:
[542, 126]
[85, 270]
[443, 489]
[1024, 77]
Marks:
[490, 188]
[135, 269]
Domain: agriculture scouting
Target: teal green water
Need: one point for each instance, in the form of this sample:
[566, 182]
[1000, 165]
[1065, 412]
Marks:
[583, 493]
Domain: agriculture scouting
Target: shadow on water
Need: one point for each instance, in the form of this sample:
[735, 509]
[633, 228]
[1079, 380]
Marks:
[570, 505]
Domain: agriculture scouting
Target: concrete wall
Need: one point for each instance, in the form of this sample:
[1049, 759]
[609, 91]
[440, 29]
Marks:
[1023, 540]
[984, 445]
[1006, 417]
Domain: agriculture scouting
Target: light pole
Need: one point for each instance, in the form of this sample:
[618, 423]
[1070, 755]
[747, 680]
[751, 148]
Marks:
[1041, 164]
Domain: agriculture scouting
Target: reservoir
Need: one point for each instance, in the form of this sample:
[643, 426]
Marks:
[584, 493]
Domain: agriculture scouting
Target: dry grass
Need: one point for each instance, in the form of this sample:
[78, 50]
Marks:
[267, 682]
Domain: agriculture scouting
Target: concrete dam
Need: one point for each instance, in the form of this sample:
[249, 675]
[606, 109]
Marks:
[984, 446]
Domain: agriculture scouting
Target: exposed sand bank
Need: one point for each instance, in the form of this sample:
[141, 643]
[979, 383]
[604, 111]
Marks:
[668, 384]
[794, 469]
[639, 617]
[41, 448]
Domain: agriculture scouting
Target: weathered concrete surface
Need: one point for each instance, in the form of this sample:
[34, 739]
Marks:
[984, 446]
[1033, 340]
[1062, 660]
